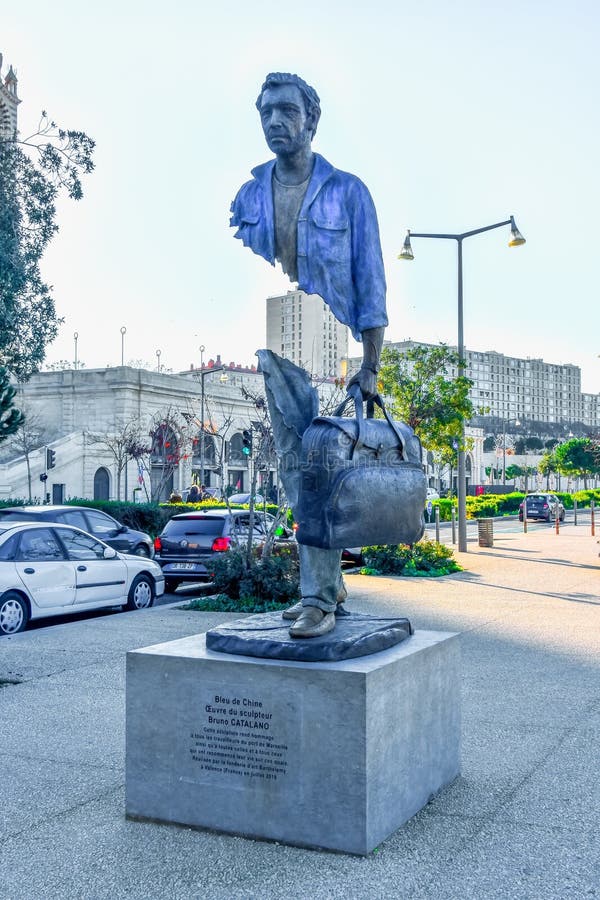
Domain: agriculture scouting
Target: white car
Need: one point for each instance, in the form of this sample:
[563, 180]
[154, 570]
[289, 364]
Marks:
[53, 570]
[432, 494]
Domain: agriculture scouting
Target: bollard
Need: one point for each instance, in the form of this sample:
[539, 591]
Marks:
[437, 524]
[525, 514]
[453, 516]
[556, 522]
[592, 507]
[574, 512]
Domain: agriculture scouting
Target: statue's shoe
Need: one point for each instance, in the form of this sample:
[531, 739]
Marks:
[312, 622]
[292, 612]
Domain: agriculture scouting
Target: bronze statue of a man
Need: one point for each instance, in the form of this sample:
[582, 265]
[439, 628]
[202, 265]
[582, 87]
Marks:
[320, 224]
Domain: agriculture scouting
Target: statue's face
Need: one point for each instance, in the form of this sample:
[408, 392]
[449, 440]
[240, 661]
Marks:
[285, 123]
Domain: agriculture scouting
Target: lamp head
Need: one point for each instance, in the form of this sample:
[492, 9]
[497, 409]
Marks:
[406, 252]
[516, 238]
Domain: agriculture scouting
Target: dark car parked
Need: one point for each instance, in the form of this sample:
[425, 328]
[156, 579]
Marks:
[189, 542]
[352, 556]
[543, 506]
[97, 523]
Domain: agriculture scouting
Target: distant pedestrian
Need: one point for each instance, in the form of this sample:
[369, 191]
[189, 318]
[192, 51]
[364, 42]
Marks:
[194, 495]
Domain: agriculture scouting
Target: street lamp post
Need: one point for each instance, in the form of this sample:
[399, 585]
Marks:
[75, 338]
[516, 239]
[158, 355]
[123, 333]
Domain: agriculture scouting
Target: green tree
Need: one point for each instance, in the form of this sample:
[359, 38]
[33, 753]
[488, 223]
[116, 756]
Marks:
[577, 458]
[425, 396]
[548, 466]
[33, 171]
[513, 472]
[11, 418]
[534, 443]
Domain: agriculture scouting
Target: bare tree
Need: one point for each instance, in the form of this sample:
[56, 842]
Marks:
[264, 458]
[171, 441]
[123, 442]
[217, 433]
[32, 434]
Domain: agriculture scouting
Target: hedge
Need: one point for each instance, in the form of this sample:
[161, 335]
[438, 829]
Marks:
[148, 517]
[492, 505]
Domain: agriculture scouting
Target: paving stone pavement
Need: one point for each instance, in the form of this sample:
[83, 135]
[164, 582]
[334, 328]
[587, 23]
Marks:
[522, 821]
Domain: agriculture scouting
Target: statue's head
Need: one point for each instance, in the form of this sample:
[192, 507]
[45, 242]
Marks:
[289, 110]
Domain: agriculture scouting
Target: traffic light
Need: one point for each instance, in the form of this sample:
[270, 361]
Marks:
[43, 477]
[247, 442]
[50, 458]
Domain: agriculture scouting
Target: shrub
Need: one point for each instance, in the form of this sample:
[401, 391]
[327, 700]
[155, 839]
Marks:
[274, 579]
[223, 603]
[584, 498]
[424, 559]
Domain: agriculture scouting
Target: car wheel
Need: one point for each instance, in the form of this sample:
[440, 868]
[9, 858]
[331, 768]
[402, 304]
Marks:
[141, 550]
[141, 593]
[562, 516]
[171, 585]
[14, 613]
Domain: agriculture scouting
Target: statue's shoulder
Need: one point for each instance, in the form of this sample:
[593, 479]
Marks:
[249, 200]
[326, 172]
[340, 186]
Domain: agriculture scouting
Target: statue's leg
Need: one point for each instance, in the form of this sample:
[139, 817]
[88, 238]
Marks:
[293, 403]
[320, 577]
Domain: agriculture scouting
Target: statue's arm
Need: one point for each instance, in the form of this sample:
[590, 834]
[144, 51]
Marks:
[366, 377]
[370, 286]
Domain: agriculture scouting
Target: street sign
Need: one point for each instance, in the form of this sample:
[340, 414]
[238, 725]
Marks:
[429, 509]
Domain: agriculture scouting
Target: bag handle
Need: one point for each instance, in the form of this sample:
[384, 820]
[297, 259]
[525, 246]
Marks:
[355, 394]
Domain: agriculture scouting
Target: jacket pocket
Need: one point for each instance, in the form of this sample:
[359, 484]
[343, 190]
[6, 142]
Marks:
[330, 237]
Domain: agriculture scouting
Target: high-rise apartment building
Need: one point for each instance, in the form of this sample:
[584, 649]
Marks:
[511, 389]
[302, 328]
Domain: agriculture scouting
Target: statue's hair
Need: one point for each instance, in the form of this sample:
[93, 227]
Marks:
[312, 104]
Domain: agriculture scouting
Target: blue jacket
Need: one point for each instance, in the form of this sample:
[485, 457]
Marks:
[339, 253]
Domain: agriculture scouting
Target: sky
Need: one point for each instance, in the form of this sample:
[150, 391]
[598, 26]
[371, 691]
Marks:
[455, 115]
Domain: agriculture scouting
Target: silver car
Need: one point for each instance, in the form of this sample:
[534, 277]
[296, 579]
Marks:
[52, 570]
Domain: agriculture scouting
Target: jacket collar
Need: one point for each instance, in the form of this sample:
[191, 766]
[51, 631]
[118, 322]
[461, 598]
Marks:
[322, 170]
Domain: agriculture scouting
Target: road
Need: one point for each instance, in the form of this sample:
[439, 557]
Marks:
[505, 525]
[509, 524]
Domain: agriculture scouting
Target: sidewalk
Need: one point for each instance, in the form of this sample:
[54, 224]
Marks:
[522, 821]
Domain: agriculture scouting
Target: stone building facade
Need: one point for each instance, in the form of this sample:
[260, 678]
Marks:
[82, 414]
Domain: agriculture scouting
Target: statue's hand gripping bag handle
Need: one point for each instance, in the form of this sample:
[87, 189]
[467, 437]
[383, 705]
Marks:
[355, 394]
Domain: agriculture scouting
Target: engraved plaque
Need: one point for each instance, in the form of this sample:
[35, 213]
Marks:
[238, 738]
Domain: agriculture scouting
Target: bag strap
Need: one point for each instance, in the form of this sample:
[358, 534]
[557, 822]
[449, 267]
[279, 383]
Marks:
[355, 394]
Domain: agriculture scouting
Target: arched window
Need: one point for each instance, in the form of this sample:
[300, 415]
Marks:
[165, 448]
[102, 484]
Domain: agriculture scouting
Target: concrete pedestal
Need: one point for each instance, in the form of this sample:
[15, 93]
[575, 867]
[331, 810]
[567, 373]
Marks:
[331, 755]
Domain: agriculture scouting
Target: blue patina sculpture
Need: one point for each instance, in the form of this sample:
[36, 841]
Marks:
[338, 248]
[320, 224]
